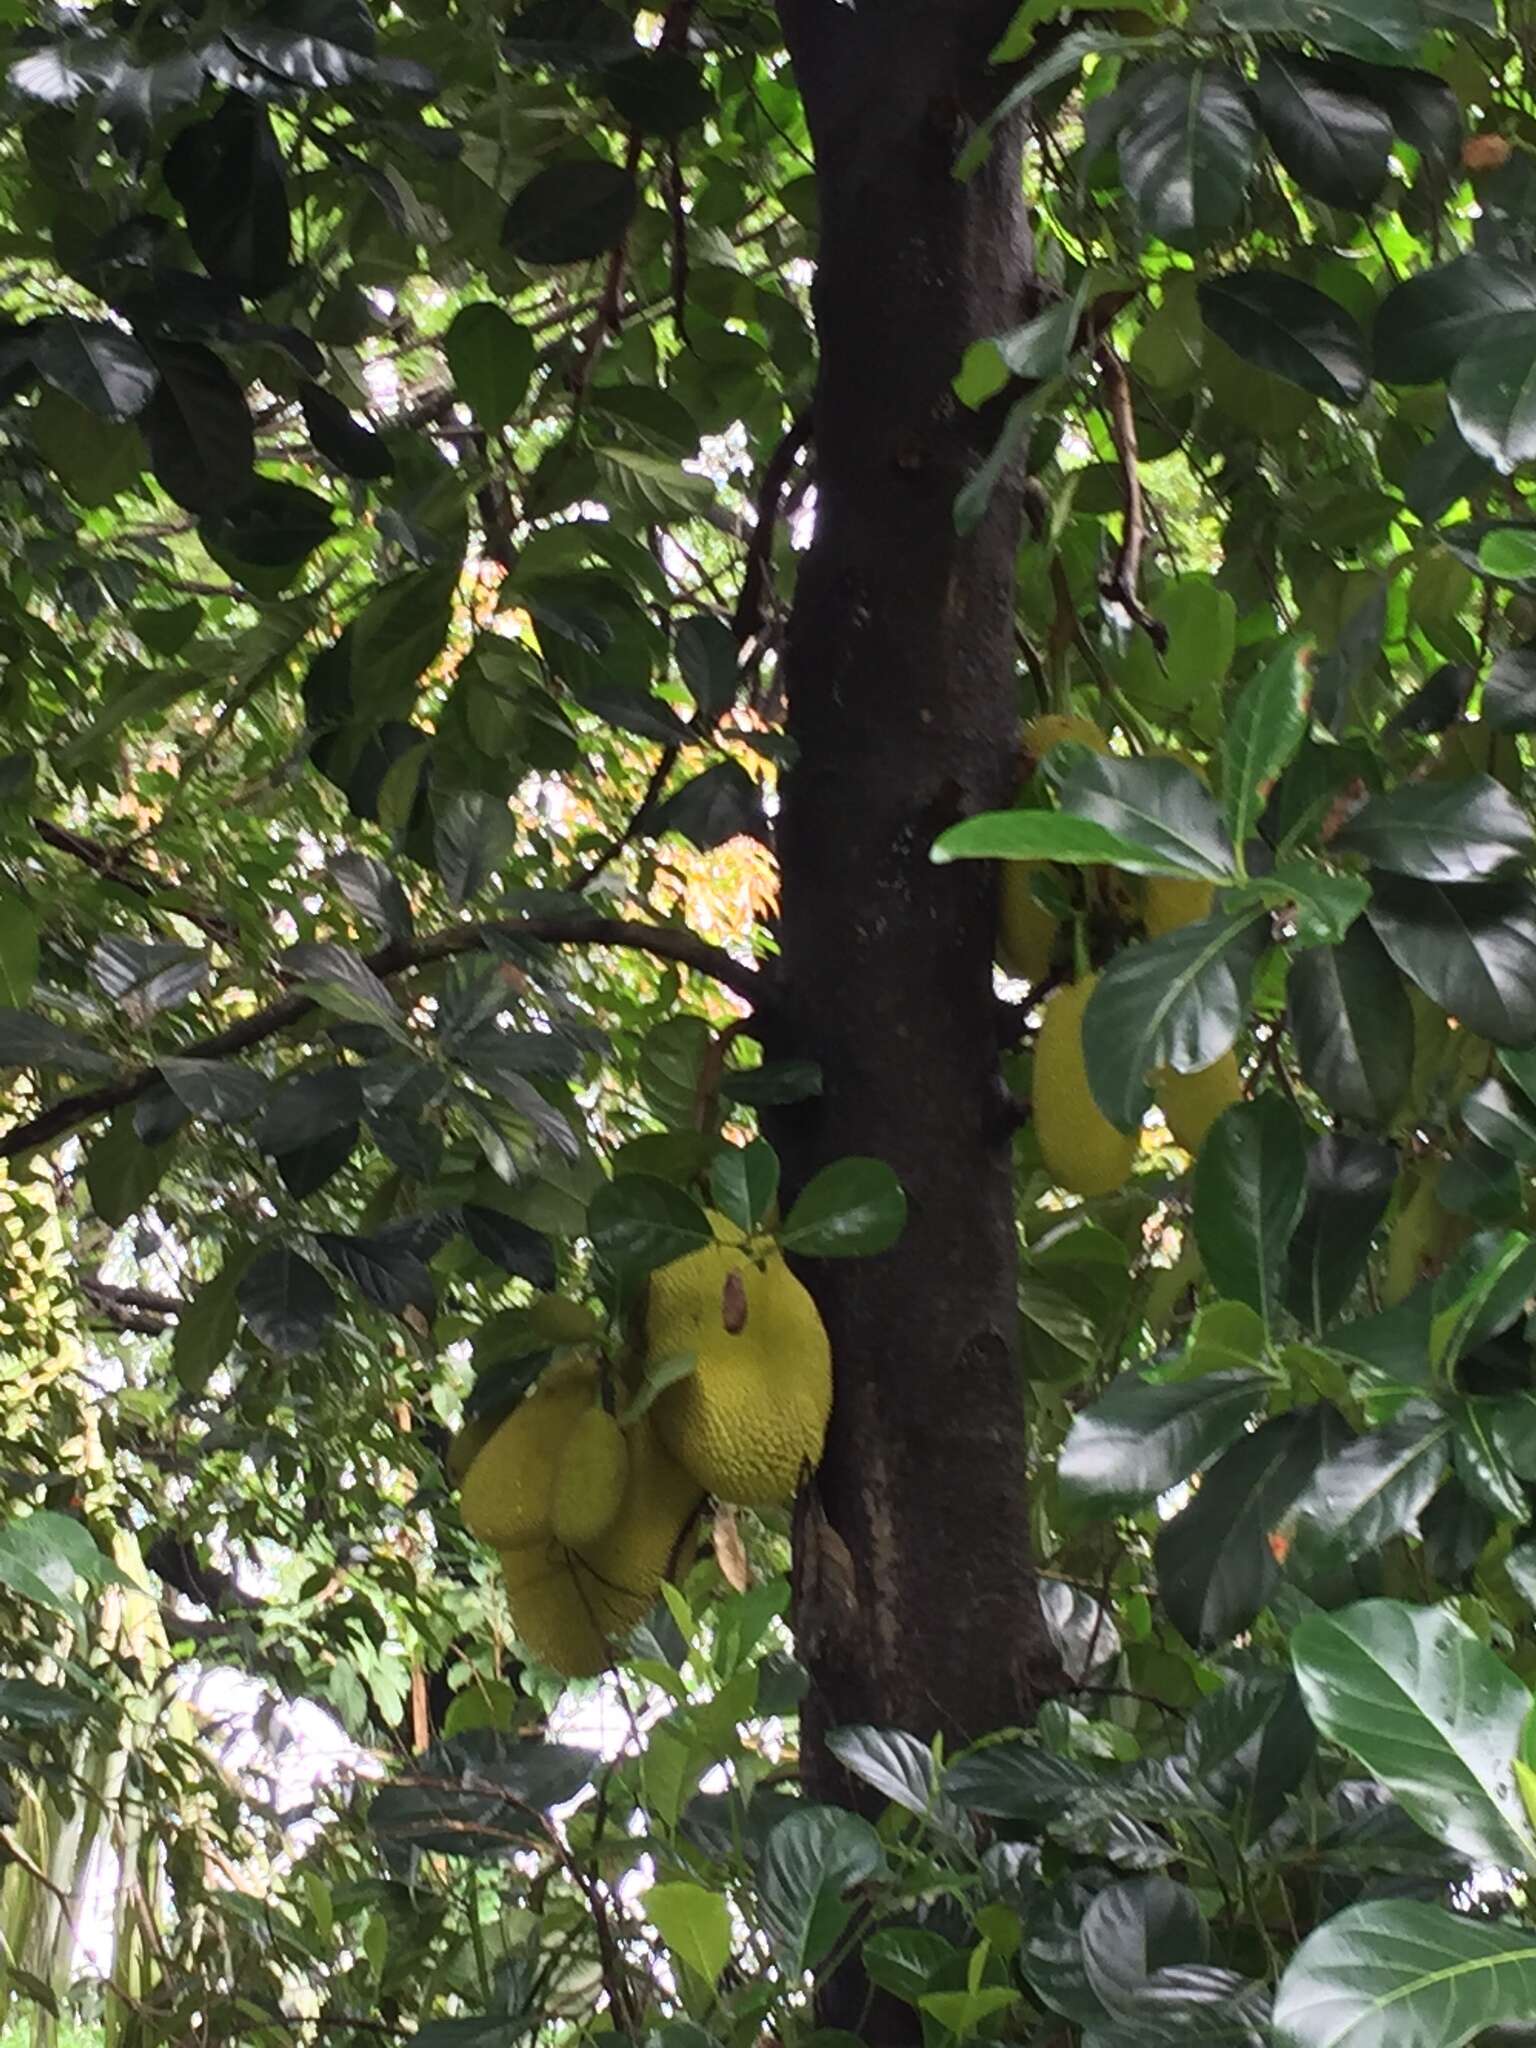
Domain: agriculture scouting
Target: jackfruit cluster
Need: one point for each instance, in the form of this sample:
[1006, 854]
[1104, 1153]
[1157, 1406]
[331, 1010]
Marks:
[587, 1517]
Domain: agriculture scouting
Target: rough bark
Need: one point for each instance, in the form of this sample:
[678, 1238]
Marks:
[918, 1608]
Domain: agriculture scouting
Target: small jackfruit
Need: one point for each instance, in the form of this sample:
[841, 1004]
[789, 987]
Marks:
[1192, 1102]
[508, 1492]
[750, 1418]
[1026, 930]
[551, 1616]
[1052, 727]
[589, 1478]
[1080, 1146]
[1171, 904]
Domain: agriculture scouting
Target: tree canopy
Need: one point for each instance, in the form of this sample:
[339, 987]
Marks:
[449, 457]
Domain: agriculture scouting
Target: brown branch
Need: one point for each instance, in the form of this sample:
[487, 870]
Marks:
[131, 1308]
[109, 863]
[634, 828]
[609, 317]
[570, 928]
[1122, 586]
[748, 617]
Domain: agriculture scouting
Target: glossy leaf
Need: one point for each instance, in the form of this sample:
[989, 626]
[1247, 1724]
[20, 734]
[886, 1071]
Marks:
[1331, 137]
[570, 212]
[1427, 324]
[639, 1222]
[1471, 949]
[1250, 1189]
[1373, 1490]
[1187, 151]
[1466, 831]
[811, 1861]
[1143, 1438]
[1290, 329]
[853, 1208]
[1264, 730]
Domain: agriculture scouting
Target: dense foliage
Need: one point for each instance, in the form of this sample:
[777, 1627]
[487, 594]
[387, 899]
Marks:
[405, 450]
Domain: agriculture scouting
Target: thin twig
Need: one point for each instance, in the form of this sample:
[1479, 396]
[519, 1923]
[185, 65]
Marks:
[637, 824]
[1122, 586]
[748, 617]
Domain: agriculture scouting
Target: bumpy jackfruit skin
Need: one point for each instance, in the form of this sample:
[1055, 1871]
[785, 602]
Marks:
[589, 1478]
[751, 1417]
[1052, 727]
[1082, 1150]
[467, 1446]
[1026, 930]
[1169, 904]
[1192, 1102]
[569, 1606]
[508, 1493]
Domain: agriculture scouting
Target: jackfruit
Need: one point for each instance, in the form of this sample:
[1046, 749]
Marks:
[1081, 1147]
[1026, 930]
[589, 1478]
[750, 1419]
[1171, 904]
[508, 1492]
[570, 1605]
[1052, 727]
[467, 1446]
[1192, 1102]
[1422, 1239]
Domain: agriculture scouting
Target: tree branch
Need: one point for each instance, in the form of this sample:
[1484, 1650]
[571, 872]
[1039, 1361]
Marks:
[634, 828]
[572, 928]
[1122, 586]
[748, 617]
[109, 862]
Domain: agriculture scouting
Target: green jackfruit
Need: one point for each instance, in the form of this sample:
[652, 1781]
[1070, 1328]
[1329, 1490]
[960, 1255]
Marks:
[589, 1478]
[1170, 905]
[508, 1492]
[1192, 1102]
[1080, 1146]
[1026, 930]
[748, 1422]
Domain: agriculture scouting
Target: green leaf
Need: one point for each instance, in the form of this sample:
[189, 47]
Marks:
[96, 364]
[638, 1223]
[385, 1272]
[1143, 1438]
[1036, 351]
[1016, 1780]
[216, 1089]
[1395, 1973]
[492, 359]
[1470, 948]
[207, 1327]
[287, 1303]
[1426, 325]
[811, 1860]
[122, 1172]
[399, 633]
[1380, 30]
[1263, 730]
[1186, 151]
[473, 838]
[1481, 1292]
[1373, 1490]
[659, 92]
[898, 1766]
[744, 1182]
[27, 1040]
[1064, 60]
[1250, 1188]
[18, 952]
[1503, 1120]
[1353, 1026]
[1493, 394]
[1509, 691]
[334, 977]
[1290, 329]
[1179, 1001]
[1134, 1929]
[1464, 831]
[1051, 835]
[570, 212]
[201, 441]
[851, 1209]
[1215, 1568]
[1332, 138]
[1431, 1712]
[1349, 1184]
[694, 1923]
[1160, 805]
[709, 662]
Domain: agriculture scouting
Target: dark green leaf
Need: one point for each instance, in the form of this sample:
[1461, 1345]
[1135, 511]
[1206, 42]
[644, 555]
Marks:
[1504, 1121]
[1349, 1183]
[1493, 394]
[1353, 1025]
[1191, 2005]
[473, 837]
[481, 1794]
[570, 212]
[1372, 1491]
[811, 1861]
[774, 1083]
[307, 1107]
[387, 1274]
[122, 1172]
[96, 364]
[206, 1328]
[1134, 1929]
[1250, 1188]
[744, 1182]
[1396, 1973]
[224, 1093]
[374, 893]
[722, 803]
[1160, 805]
[1186, 151]
[1179, 1001]
[660, 92]
[1015, 1780]
[30, 1041]
[340, 982]
[286, 1302]
[1464, 831]
[1431, 1711]
[227, 174]
[1290, 329]
[1215, 1568]
[492, 360]
[1264, 728]
[708, 660]
[1471, 949]
[638, 1222]
[355, 450]
[1332, 139]
[201, 441]
[852, 1209]
[152, 975]
[273, 531]
[1378, 29]
[897, 1765]
[1509, 693]
[1425, 326]
[1144, 1437]
[514, 1246]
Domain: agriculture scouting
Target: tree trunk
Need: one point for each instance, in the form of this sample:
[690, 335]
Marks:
[915, 1599]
